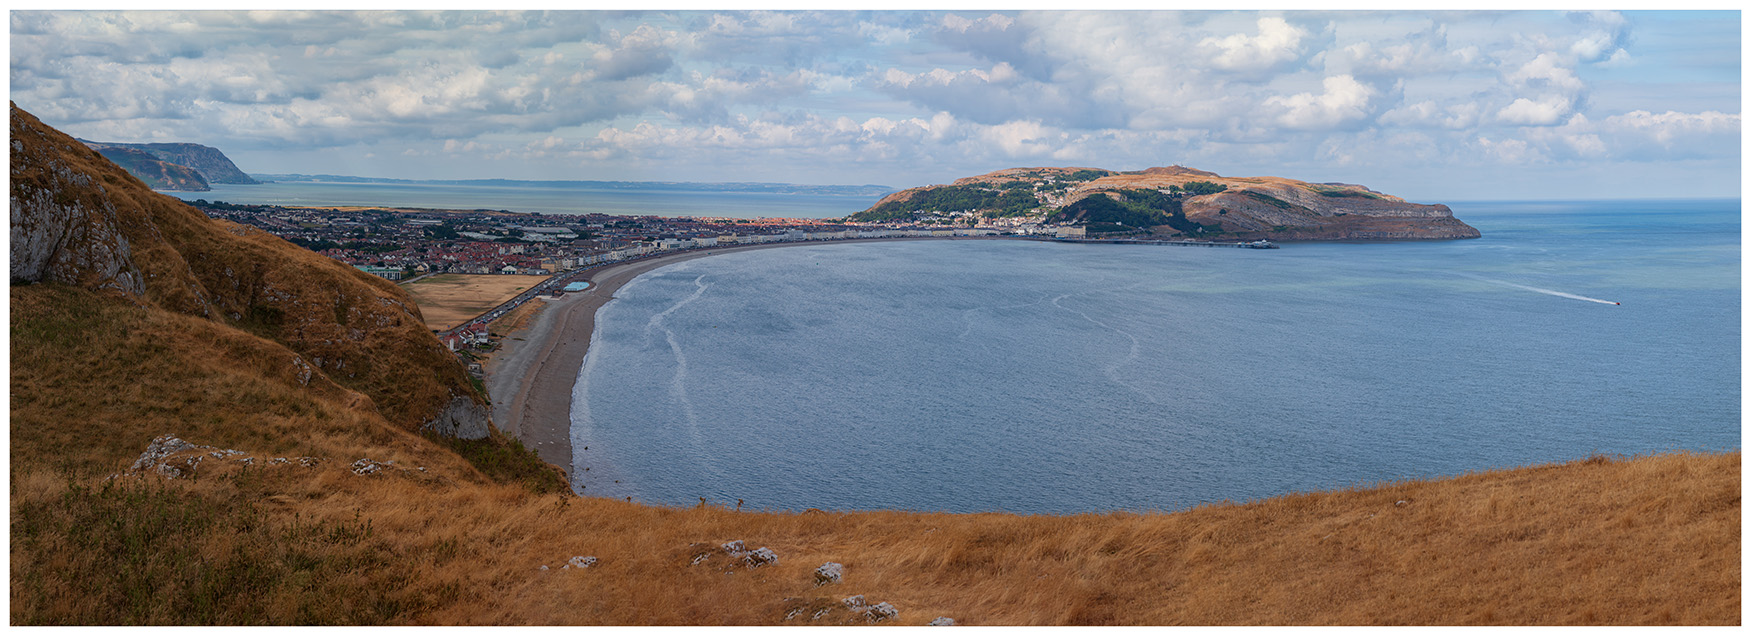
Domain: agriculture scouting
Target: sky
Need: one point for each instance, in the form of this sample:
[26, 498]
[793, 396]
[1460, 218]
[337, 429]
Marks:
[1425, 105]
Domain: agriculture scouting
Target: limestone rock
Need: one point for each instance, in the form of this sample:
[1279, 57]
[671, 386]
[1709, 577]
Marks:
[581, 561]
[828, 573]
[368, 466]
[735, 548]
[855, 603]
[942, 621]
[462, 418]
[760, 557]
[882, 611]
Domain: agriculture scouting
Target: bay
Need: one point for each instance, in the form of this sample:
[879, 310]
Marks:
[981, 375]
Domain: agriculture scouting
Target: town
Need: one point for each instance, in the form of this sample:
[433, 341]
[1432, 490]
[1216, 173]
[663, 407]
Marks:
[402, 243]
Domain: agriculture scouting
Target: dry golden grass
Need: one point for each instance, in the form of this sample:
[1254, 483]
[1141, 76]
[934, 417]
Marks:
[449, 300]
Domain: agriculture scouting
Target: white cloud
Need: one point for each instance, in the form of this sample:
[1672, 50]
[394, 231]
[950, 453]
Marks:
[1276, 43]
[1345, 100]
[1427, 114]
[1545, 112]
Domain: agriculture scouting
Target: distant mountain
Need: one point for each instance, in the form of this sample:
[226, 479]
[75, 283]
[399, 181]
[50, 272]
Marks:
[1176, 201]
[157, 173]
[759, 187]
[212, 164]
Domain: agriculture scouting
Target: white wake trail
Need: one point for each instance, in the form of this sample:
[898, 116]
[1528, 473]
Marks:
[1542, 290]
[678, 384]
[1112, 370]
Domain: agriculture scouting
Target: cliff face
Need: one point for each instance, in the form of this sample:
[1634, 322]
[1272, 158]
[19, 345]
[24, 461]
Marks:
[1244, 207]
[155, 172]
[211, 164]
[80, 220]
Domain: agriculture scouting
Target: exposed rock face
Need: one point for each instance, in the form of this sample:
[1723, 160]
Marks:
[211, 164]
[1249, 207]
[57, 234]
[463, 418]
[78, 219]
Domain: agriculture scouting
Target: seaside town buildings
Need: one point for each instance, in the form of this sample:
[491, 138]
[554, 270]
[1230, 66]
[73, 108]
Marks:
[398, 244]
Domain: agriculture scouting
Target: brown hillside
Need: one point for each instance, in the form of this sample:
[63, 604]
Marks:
[80, 220]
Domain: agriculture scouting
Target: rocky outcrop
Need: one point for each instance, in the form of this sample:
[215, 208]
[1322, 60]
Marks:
[59, 232]
[80, 220]
[206, 161]
[463, 418]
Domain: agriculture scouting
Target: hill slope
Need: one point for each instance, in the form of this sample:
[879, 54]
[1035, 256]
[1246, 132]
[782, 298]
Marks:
[1178, 200]
[314, 502]
[80, 220]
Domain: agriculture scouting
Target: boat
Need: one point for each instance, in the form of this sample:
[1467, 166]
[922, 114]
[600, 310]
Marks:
[1260, 244]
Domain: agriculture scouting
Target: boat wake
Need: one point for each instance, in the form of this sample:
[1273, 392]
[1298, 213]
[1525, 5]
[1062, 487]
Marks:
[1542, 290]
[1112, 370]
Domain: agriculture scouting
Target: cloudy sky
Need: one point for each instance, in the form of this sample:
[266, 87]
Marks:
[1430, 106]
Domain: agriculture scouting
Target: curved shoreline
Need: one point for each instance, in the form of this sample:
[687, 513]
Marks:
[536, 375]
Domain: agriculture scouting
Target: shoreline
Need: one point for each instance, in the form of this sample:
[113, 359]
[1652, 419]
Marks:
[530, 381]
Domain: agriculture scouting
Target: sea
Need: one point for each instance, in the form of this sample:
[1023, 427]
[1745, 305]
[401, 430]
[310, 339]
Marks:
[1036, 377]
[543, 197]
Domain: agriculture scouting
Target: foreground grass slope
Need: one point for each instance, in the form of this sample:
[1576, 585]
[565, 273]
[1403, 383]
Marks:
[456, 532]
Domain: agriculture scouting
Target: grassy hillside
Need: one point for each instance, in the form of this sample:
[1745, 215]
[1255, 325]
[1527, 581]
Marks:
[456, 532]
[97, 227]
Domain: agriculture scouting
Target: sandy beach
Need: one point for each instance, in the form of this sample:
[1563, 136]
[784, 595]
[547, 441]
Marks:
[531, 380]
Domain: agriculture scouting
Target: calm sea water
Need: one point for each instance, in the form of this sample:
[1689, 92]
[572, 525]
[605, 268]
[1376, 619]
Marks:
[1046, 378]
[546, 199]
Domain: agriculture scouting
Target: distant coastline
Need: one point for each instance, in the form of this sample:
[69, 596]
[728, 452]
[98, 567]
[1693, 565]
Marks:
[660, 186]
[568, 198]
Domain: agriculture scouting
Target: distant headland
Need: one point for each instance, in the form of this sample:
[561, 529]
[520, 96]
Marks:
[1172, 201]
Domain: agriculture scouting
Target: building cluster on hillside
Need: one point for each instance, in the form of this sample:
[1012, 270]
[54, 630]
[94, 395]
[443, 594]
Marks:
[396, 243]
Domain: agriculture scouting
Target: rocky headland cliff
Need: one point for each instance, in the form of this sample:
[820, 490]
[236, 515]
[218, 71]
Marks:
[1178, 201]
[154, 172]
[163, 166]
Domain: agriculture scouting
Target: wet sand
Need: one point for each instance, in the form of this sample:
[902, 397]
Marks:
[531, 381]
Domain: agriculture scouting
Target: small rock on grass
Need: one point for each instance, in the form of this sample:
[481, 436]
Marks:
[828, 573]
[762, 556]
[942, 621]
[882, 611]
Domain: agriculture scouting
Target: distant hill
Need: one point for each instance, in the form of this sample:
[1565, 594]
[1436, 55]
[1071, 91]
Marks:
[743, 186]
[1177, 201]
[157, 173]
[212, 164]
